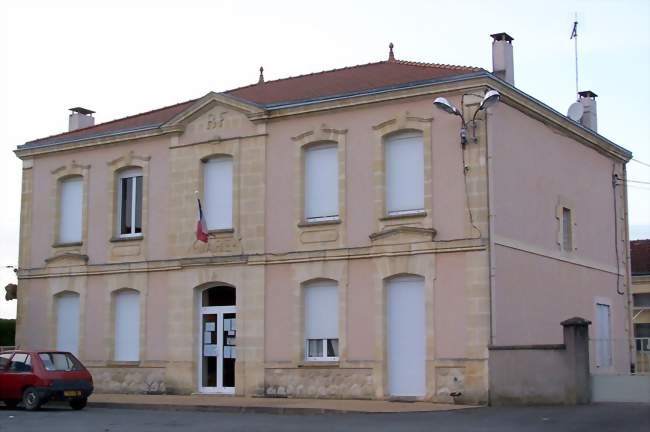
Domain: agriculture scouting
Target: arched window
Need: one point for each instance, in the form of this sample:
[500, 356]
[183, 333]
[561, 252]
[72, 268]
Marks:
[70, 209]
[217, 192]
[127, 325]
[321, 321]
[321, 182]
[129, 202]
[222, 295]
[67, 322]
[404, 165]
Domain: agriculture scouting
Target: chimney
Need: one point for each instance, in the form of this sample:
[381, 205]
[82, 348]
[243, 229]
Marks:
[80, 118]
[589, 118]
[502, 63]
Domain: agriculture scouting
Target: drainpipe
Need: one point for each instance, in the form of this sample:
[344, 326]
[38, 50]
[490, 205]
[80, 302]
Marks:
[491, 216]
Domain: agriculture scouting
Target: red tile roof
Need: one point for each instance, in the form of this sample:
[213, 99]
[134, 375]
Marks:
[348, 80]
[640, 256]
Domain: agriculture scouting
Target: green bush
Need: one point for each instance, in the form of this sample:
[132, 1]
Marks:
[7, 332]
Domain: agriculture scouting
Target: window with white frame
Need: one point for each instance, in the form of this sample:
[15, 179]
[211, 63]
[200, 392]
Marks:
[321, 321]
[127, 326]
[321, 182]
[67, 322]
[567, 231]
[217, 192]
[70, 209]
[129, 203]
[404, 166]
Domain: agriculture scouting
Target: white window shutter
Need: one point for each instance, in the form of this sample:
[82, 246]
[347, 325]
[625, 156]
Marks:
[321, 181]
[67, 322]
[404, 162]
[127, 326]
[217, 192]
[321, 310]
[70, 210]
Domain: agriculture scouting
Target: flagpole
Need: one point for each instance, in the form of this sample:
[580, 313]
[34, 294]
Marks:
[574, 35]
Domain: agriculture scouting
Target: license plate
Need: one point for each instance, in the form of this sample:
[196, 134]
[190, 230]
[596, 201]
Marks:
[71, 393]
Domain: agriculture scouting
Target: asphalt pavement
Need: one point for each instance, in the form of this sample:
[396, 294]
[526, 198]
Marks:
[596, 417]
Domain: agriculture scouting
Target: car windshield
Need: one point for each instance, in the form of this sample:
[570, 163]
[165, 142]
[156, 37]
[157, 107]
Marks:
[59, 362]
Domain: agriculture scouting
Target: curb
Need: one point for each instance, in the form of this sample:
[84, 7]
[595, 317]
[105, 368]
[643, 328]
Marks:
[232, 409]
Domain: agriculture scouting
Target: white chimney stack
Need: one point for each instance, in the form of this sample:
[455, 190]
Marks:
[502, 60]
[80, 118]
[589, 118]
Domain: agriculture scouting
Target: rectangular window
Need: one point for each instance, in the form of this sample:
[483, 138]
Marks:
[567, 234]
[641, 300]
[642, 337]
[127, 326]
[217, 192]
[321, 182]
[404, 163]
[321, 321]
[67, 322]
[603, 336]
[70, 210]
[21, 363]
[129, 198]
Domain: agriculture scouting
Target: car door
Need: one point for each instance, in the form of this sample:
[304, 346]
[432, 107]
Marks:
[4, 364]
[18, 375]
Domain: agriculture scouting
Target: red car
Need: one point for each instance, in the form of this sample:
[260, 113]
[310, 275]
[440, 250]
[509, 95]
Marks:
[36, 377]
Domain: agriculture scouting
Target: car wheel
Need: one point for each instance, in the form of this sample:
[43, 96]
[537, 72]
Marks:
[77, 404]
[31, 399]
[11, 403]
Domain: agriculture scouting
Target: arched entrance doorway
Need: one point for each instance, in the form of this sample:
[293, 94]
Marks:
[217, 333]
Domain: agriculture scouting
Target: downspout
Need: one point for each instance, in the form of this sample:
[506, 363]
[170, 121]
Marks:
[491, 216]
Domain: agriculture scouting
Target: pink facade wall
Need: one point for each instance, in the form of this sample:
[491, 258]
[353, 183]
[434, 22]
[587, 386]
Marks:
[278, 326]
[361, 319]
[448, 193]
[450, 315]
[98, 204]
[157, 320]
[538, 287]
[97, 320]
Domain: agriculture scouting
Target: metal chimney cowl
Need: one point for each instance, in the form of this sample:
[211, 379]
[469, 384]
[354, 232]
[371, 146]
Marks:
[590, 117]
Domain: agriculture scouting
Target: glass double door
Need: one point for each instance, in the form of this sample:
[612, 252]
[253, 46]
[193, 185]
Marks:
[218, 349]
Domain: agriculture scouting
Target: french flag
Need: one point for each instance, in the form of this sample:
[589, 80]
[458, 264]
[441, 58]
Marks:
[201, 227]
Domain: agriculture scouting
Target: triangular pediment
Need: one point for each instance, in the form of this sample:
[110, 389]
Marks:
[216, 117]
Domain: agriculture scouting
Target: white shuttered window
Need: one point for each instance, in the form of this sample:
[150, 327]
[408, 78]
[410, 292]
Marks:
[217, 192]
[404, 156]
[127, 326]
[67, 322]
[321, 321]
[70, 210]
[321, 182]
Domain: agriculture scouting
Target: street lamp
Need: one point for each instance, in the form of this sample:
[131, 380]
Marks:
[490, 98]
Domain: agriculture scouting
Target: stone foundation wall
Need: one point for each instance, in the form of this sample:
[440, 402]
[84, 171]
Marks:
[129, 380]
[320, 383]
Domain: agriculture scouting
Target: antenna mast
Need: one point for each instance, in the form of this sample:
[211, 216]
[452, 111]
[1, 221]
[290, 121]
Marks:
[574, 36]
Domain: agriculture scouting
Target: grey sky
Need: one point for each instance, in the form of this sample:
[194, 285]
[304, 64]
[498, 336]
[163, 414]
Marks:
[123, 59]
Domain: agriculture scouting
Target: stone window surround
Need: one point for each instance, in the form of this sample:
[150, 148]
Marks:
[303, 359]
[314, 137]
[563, 203]
[60, 174]
[228, 150]
[402, 122]
[110, 331]
[55, 293]
[129, 160]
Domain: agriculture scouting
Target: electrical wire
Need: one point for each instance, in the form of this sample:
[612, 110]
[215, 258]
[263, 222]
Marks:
[640, 162]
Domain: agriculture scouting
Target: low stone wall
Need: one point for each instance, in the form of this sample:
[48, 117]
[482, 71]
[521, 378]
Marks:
[320, 383]
[137, 380]
[542, 374]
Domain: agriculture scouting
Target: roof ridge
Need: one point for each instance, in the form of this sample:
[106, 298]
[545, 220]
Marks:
[436, 65]
[305, 75]
[404, 62]
[113, 121]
